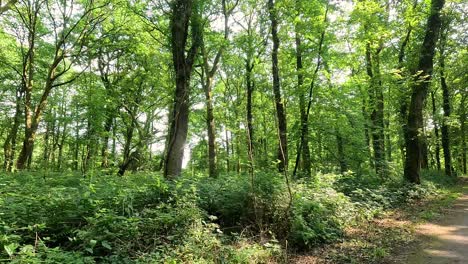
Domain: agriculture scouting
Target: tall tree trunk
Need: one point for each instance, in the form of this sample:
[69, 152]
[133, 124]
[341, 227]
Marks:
[226, 137]
[207, 80]
[365, 115]
[419, 92]
[404, 95]
[105, 142]
[464, 148]
[181, 17]
[27, 74]
[76, 150]
[210, 124]
[303, 148]
[279, 103]
[341, 154]
[47, 144]
[388, 139]
[446, 104]
[376, 102]
[10, 143]
[249, 65]
[303, 143]
[436, 130]
[61, 143]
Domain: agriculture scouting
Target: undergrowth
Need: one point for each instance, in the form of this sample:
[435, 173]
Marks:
[142, 218]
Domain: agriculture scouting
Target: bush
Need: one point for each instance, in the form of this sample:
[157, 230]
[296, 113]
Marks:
[229, 197]
[318, 216]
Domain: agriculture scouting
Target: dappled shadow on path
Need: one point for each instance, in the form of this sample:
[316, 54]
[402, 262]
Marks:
[446, 241]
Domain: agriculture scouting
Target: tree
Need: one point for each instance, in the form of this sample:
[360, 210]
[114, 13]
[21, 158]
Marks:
[8, 5]
[446, 100]
[184, 14]
[207, 78]
[419, 91]
[279, 103]
[69, 35]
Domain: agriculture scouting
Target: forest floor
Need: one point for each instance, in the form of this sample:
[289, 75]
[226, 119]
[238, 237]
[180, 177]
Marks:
[433, 231]
[445, 240]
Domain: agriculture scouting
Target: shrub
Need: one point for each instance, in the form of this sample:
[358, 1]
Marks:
[229, 197]
[318, 216]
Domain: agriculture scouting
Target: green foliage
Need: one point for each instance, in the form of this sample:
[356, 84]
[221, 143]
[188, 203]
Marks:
[230, 197]
[60, 218]
[319, 214]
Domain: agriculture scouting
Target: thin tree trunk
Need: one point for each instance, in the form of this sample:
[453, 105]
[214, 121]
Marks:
[210, 124]
[463, 132]
[207, 79]
[250, 88]
[61, 144]
[303, 148]
[341, 154]
[279, 103]
[76, 147]
[376, 102]
[10, 143]
[403, 101]
[365, 115]
[226, 134]
[46, 153]
[105, 142]
[419, 92]
[446, 104]
[305, 120]
[436, 130]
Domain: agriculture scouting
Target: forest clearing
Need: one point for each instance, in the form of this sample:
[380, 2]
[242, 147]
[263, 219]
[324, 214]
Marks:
[233, 131]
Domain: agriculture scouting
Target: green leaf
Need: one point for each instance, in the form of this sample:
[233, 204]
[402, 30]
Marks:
[106, 245]
[11, 248]
[92, 242]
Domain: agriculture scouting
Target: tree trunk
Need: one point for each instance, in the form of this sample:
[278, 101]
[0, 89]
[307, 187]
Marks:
[46, 153]
[388, 139]
[463, 132]
[105, 142]
[61, 143]
[376, 102]
[209, 73]
[76, 150]
[250, 88]
[419, 92]
[180, 19]
[10, 143]
[226, 135]
[210, 124]
[303, 149]
[365, 115]
[436, 130]
[341, 154]
[279, 103]
[446, 105]
[305, 120]
[403, 101]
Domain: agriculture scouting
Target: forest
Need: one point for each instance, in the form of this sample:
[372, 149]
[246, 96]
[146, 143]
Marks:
[226, 131]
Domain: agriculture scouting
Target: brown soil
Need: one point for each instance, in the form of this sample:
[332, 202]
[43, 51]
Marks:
[444, 241]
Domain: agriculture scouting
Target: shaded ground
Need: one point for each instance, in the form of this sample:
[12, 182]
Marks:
[397, 238]
[445, 241]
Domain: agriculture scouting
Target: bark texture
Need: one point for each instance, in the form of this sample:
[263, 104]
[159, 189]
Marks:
[419, 92]
[279, 103]
[181, 18]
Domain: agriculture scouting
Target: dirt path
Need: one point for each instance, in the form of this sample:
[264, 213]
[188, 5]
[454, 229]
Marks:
[445, 241]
